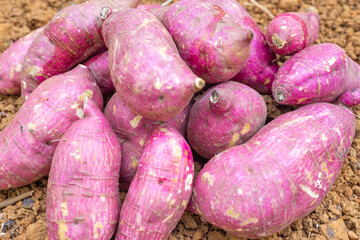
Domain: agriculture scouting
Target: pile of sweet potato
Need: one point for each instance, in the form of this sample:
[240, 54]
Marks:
[177, 79]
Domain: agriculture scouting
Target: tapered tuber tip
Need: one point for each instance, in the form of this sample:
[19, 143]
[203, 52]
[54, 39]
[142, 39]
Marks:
[199, 84]
[105, 12]
[214, 96]
[278, 42]
[280, 96]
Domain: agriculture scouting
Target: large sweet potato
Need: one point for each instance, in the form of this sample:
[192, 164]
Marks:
[210, 41]
[133, 131]
[11, 63]
[83, 198]
[226, 115]
[71, 37]
[161, 188]
[28, 143]
[319, 73]
[280, 175]
[147, 70]
[259, 71]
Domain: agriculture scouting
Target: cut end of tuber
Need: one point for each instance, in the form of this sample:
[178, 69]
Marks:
[105, 12]
[214, 97]
[278, 43]
[280, 96]
[199, 84]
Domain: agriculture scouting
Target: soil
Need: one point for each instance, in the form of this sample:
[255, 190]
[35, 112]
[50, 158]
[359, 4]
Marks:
[337, 217]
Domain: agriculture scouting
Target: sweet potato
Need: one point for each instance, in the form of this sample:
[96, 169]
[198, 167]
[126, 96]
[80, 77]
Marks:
[259, 71]
[11, 63]
[226, 115]
[290, 32]
[280, 175]
[133, 131]
[99, 66]
[319, 73]
[350, 98]
[210, 41]
[83, 198]
[161, 188]
[147, 70]
[28, 143]
[70, 38]
[147, 7]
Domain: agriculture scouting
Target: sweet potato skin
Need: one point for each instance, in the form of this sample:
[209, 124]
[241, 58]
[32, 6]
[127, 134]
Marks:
[259, 71]
[147, 7]
[99, 66]
[350, 98]
[319, 73]
[11, 63]
[290, 32]
[28, 143]
[70, 38]
[226, 115]
[162, 89]
[154, 214]
[280, 175]
[133, 131]
[83, 198]
[210, 41]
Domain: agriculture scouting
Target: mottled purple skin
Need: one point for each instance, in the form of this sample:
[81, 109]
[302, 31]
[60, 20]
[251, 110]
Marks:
[290, 32]
[210, 41]
[147, 7]
[259, 71]
[319, 73]
[147, 70]
[280, 175]
[133, 131]
[99, 66]
[28, 143]
[83, 198]
[350, 98]
[161, 188]
[226, 115]
[70, 38]
[11, 63]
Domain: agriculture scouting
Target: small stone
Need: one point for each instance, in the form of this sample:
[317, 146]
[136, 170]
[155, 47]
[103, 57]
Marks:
[334, 230]
[7, 225]
[352, 235]
[27, 203]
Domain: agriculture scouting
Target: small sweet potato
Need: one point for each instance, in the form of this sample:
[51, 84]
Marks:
[210, 41]
[83, 198]
[290, 32]
[133, 131]
[319, 73]
[259, 71]
[226, 115]
[70, 38]
[161, 188]
[280, 175]
[28, 143]
[350, 98]
[147, 70]
[99, 66]
[11, 63]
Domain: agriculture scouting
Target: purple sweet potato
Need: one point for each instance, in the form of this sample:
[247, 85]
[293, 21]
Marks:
[319, 73]
[350, 98]
[83, 198]
[99, 66]
[210, 41]
[290, 32]
[11, 63]
[147, 70]
[28, 143]
[161, 188]
[226, 115]
[133, 131]
[259, 71]
[70, 38]
[280, 175]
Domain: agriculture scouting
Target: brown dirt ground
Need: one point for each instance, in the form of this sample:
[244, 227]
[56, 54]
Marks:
[337, 217]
